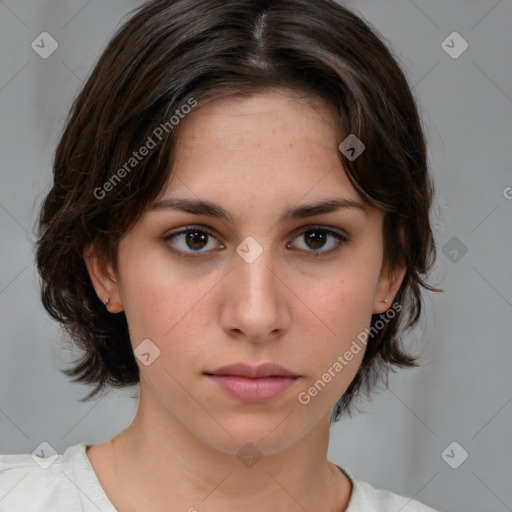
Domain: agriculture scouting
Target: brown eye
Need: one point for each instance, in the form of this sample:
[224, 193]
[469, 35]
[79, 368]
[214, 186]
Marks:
[196, 239]
[319, 241]
[315, 239]
[192, 241]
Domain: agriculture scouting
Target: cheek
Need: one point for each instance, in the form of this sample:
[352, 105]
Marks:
[341, 314]
[340, 311]
[344, 301]
[332, 355]
[149, 292]
[167, 305]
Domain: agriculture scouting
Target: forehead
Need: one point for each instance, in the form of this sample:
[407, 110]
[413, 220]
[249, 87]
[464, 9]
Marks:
[274, 116]
[274, 139]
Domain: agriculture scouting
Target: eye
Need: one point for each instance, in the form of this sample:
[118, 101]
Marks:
[316, 240]
[192, 240]
[195, 241]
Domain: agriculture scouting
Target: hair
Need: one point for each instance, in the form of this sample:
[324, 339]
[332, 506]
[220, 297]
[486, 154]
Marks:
[172, 52]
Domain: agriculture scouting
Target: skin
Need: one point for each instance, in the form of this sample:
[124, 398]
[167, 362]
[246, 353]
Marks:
[256, 157]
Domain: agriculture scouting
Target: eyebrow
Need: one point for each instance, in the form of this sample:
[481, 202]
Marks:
[209, 209]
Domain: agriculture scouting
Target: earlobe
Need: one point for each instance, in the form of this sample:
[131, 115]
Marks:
[104, 283]
[389, 284]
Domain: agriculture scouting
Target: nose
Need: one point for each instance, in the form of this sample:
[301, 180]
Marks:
[255, 303]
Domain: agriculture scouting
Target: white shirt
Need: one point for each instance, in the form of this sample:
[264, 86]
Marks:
[70, 484]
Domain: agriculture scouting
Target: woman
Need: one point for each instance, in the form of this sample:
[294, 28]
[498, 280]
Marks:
[239, 221]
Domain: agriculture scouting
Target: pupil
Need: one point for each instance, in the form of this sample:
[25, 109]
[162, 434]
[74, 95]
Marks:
[196, 237]
[316, 238]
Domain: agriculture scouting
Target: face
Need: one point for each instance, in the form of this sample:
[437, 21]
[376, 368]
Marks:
[233, 265]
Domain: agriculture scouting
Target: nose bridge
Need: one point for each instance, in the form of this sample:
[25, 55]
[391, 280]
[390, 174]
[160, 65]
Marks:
[256, 279]
[257, 302]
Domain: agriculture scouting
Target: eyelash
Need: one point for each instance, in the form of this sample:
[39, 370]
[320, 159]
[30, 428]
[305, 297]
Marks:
[340, 237]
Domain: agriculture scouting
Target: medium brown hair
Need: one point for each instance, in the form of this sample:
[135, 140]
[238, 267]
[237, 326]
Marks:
[172, 51]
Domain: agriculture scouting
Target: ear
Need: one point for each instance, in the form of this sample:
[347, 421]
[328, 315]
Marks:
[390, 281]
[103, 279]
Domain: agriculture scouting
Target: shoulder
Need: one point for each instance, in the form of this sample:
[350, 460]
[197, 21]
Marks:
[366, 498]
[42, 481]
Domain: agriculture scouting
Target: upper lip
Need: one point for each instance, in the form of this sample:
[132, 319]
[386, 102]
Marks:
[246, 370]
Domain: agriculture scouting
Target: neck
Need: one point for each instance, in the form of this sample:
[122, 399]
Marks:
[158, 462]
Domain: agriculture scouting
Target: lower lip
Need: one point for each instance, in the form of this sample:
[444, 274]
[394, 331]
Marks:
[255, 391]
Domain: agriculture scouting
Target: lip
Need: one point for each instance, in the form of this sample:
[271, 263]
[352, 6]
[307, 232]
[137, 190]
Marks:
[247, 370]
[253, 384]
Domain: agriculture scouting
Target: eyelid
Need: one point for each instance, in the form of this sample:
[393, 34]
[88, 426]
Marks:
[323, 227]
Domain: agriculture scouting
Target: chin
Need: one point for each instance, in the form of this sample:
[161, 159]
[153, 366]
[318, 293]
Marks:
[249, 436]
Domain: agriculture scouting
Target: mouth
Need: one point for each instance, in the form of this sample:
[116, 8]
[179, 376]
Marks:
[253, 384]
[254, 372]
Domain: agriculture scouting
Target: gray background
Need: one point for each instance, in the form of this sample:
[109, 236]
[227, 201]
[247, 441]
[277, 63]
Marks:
[462, 393]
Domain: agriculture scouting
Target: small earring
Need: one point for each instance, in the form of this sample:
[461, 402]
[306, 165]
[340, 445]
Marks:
[106, 302]
[385, 300]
